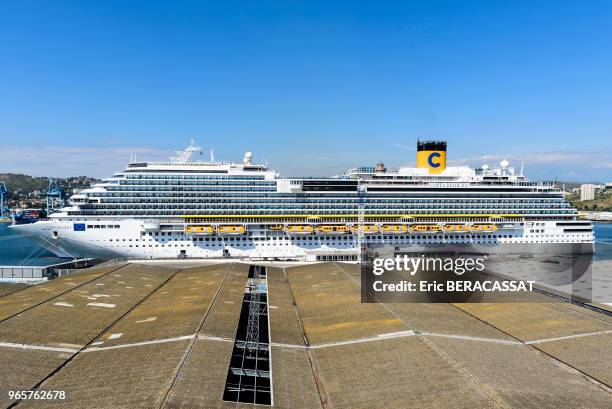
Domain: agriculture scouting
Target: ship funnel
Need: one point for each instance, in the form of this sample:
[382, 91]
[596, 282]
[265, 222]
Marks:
[431, 155]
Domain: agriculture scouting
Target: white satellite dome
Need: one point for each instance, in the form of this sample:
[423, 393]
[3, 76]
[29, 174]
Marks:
[485, 167]
[248, 156]
[504, 163]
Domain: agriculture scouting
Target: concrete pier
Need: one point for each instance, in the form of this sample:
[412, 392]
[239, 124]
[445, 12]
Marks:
[152, 336]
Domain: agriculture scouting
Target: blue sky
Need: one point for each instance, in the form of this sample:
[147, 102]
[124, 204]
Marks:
[312, 87]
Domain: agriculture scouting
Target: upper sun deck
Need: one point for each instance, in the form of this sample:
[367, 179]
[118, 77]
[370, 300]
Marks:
[503, 174]
[183, 163]
[199, 166]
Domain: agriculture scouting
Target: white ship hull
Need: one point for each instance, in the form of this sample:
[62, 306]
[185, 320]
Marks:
[134, 239]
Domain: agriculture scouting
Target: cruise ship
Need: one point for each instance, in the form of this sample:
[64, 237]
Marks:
[187, 208]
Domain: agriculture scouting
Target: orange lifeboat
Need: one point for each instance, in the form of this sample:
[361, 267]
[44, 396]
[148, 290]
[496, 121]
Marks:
[333, 229]
[199, 230]
[367, 228]
[231, 230]
[394, 228]
[299, 229]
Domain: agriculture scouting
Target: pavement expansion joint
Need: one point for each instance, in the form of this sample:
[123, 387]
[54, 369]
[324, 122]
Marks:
[469, 338]
[588, 334]
[136, 344]
[37, 347]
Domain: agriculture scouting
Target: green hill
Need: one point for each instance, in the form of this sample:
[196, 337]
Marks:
[23, 186]
[601, 203]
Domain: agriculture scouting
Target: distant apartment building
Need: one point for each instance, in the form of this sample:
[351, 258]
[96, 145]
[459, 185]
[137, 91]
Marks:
[587, 192]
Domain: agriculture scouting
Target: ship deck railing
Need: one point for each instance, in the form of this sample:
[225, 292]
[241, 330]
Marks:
[352, 218]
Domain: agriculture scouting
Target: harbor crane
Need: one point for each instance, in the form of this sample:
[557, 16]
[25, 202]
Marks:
[54, 194]
[3, 201]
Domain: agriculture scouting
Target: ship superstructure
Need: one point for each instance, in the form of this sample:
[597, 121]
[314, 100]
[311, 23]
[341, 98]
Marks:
[205, 209]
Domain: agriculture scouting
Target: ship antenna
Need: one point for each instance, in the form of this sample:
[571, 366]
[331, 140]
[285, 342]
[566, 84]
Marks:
[212, 156]
[184, 156]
